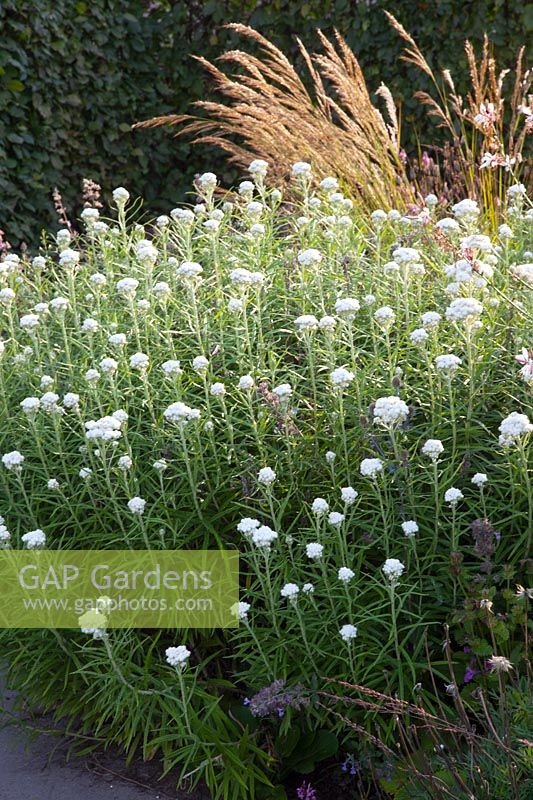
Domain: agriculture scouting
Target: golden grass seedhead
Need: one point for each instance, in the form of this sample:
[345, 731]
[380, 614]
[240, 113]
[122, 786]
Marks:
[267, 112]
[485, 131]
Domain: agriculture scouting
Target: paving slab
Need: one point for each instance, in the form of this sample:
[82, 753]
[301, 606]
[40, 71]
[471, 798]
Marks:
[38, 768]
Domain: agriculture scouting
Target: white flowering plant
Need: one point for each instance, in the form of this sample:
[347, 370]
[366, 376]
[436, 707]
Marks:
[268, 387]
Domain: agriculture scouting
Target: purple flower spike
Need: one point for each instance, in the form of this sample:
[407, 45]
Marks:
[306, 792]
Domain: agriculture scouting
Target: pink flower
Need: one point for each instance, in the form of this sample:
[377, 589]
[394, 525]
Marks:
[495, 160]
[528, 111]
[525, 358]
[486, 118]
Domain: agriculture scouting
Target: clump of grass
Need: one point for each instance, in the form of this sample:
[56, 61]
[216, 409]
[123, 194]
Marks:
[487, 131]
[452, 742]
[268, 112]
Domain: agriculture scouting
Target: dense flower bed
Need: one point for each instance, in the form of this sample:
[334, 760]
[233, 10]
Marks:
[344, 399]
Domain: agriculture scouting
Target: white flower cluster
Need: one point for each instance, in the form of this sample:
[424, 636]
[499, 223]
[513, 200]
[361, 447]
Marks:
[189, 271]
[345, 574]
[246, 383]
[464, 309]
[290, 591]
[266, 476]
[258, 168]
[466, 210]
[385, 317]
[523, 272]
[247, 526]
[448, 364]
[453, 496]
[476, 241]
[301, 169]
[433, 448]
[341, 378]
[349, 495]
[431, 319]
[314, 551]
[348, 633]
[393, 570]
[513, 428]
[335, 518]
[310, 257]
[34, 540]
[320, 506]
[137, 505]
[180, 413]
[177, 656]
[410, 528]
[371, 467]
[140, 362]
[105, 429]
[13, 461]
[263, 537]
[171, 368]
[390, 411]
[410, 259]
[5, 535]
[240, 610]
[217, 390]
[347, 307]
[306, 323]
[243, 279]
[284, 391]
[127, 287]
[419, 336]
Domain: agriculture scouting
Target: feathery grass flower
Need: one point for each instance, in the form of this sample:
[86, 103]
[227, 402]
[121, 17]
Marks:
[499, 664]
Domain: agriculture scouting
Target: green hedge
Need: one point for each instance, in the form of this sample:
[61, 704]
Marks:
[74, 75]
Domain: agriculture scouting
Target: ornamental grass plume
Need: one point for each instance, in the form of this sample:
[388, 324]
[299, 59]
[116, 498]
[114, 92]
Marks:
[488, 131]
[267, 112]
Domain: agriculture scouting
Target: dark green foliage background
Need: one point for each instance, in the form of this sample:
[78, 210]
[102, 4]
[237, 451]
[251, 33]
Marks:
[75, 75]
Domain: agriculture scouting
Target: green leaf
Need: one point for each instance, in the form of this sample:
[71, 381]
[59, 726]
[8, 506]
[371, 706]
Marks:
[14, 85]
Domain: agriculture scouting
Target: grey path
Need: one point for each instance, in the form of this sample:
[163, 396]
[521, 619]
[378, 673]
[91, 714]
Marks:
[39, 770]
